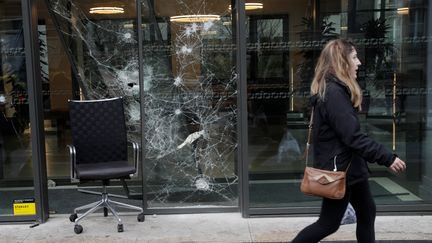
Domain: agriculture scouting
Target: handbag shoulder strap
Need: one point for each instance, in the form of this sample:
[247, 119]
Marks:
[308, 143]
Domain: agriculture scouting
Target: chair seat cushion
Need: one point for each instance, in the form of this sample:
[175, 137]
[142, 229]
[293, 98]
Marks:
[105, 170]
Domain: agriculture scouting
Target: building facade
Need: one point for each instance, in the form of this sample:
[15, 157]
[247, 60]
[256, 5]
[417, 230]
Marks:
[216, 93]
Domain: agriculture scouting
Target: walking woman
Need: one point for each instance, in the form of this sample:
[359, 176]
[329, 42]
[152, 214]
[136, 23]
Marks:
[336, 98]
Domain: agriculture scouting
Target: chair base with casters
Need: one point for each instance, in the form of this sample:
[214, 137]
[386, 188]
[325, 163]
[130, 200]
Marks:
[107, 204]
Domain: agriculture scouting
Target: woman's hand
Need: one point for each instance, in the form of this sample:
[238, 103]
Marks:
[398, 165]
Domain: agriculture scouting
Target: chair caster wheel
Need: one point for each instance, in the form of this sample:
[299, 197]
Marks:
[141, 217]
[119, 228]
[105, 212]
[78, 229]
[72, 217]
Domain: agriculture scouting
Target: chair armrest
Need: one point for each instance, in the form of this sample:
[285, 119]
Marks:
[135, 147]
[72, 158]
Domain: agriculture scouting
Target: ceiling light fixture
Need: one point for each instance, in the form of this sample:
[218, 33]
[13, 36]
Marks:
[403, 11]
[193, 18]
[131, 26]
[106, 10]
[251, 6]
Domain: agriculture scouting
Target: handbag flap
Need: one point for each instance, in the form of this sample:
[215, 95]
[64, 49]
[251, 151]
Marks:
[324, 176]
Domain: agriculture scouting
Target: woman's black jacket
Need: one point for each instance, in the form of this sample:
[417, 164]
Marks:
[336, 131]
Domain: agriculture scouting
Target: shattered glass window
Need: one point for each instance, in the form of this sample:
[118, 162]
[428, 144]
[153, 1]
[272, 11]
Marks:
[190, 104]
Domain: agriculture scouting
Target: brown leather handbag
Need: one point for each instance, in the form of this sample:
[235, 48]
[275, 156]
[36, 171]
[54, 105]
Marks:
[322, 183]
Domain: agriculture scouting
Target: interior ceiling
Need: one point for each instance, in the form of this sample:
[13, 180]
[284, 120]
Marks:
[164, 8]
[169, 8]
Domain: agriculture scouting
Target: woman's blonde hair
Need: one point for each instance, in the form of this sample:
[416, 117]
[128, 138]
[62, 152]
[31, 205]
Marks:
[334, 59]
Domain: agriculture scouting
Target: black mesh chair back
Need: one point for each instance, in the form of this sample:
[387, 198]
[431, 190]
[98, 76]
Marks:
[99, 137]
[98, 130]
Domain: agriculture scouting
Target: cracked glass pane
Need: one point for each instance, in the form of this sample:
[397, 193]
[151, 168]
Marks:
[103, 50]
[103, 55]
[190, 103]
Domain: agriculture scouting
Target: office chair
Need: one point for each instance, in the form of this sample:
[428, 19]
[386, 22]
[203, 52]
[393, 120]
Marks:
[99, 151]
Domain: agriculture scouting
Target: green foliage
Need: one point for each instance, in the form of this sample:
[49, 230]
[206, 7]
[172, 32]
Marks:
[379, 58]
[310, 52]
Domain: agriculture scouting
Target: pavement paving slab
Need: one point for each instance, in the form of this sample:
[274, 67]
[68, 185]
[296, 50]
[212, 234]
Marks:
[212, 228]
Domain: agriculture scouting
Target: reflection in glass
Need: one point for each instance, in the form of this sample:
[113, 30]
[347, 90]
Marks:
[391, 45]
[16, 174]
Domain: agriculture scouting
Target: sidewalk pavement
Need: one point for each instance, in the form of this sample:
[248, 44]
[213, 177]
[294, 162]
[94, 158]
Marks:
[215, 227]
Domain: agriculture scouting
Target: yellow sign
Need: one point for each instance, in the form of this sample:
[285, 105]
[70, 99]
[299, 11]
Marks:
[24, 207]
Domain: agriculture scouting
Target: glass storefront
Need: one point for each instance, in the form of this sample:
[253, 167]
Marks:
[176, 63]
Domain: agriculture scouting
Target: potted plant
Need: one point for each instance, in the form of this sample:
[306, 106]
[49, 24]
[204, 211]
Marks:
[378, 66]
